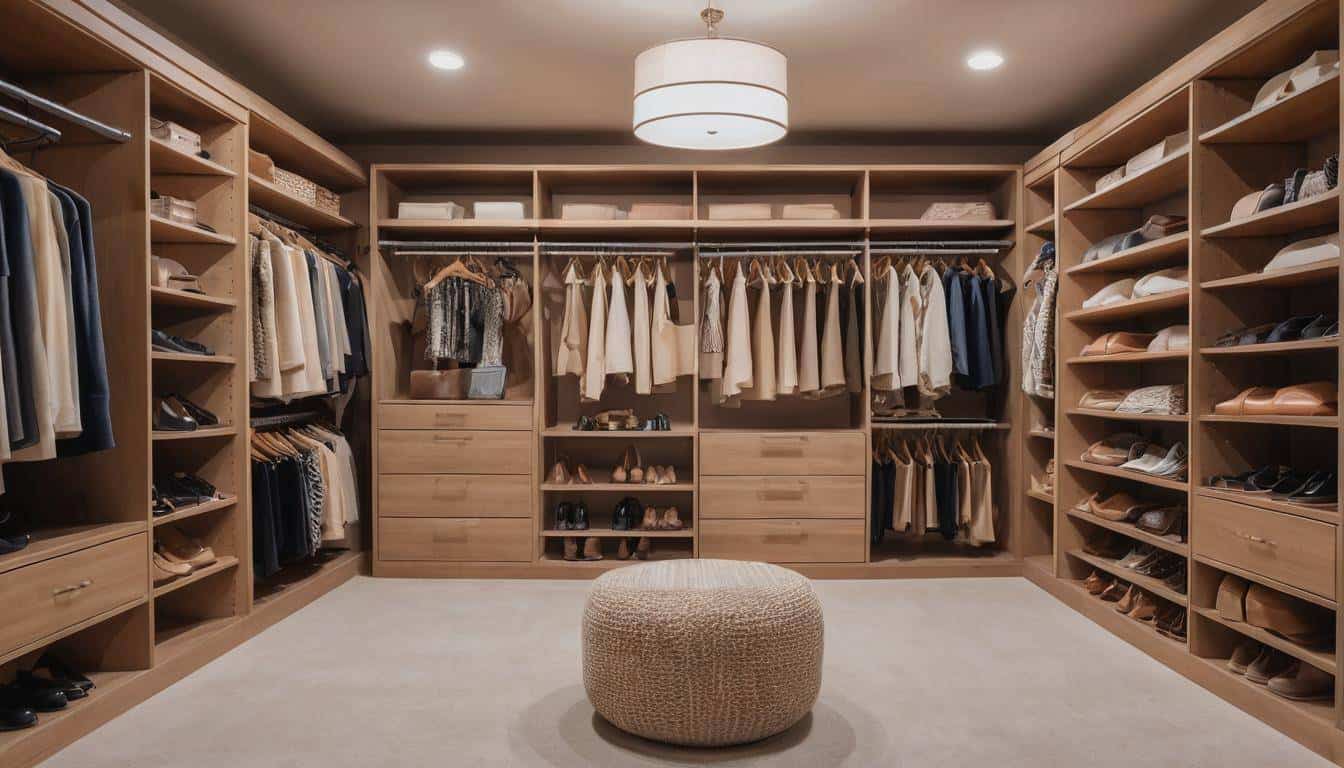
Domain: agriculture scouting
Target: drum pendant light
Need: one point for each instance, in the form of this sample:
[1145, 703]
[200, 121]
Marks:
[711, 92]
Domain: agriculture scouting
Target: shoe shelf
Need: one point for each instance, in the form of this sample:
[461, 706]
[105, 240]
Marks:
[1040, 496]
[190, 359]
[1318, 211]
[1266, 581]
[196, 434]
[1044, 227]
[52, 726]
[1323, 712]
[1125, 310]
[185, 513]
[173, 635]
[628, 488]
[1104, 613]
[1319, 273]
[1128, 357]
[1127, 474]
[165, 158]
[1131, 531]
[1095, 413]
[1279, 348]
[1163, 180]
[1322, 660]
[1165, 250]
[171, 297]
[607, 533]
[1147, 583]
[224, 563]
[1295, 118]
[1323, 422]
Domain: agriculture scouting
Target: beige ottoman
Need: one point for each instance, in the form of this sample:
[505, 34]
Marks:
[702, 652]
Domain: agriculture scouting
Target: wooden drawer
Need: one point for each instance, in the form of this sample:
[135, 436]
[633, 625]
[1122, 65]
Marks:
[428, 452]
[765, 497]
[453, 496]
[1294, 550]
[785, 453]
[46, 597]
[480, 540]
[783, 541]
[454, 416]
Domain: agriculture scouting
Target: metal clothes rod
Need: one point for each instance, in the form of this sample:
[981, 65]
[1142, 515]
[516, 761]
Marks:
[787, 244]
[562, 246]
[308, 234]
[711, 255]
[23, 121]
[935, 251]
[59, 110]
[913, 426]
[285, 419]
[941, 244]
[461, 253]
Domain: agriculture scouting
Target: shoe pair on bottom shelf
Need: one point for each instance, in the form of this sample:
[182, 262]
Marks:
[177, 555]
[667, 520]
[1284, 675]
[1129, 599]
[31, 692]
[592, 549]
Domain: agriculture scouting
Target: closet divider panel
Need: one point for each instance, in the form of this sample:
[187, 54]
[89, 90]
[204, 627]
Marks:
[1036, 420]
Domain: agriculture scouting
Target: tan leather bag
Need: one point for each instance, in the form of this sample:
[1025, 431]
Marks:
[440, 385]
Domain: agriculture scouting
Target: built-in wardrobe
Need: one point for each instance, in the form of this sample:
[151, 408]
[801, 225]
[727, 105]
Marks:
[466, 487]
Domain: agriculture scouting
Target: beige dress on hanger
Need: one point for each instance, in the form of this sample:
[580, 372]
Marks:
[763, 348]
[595, 369]
[619, 344]
[69, 423]
[886, 360]
[737, 366]
[267, 383]
[854, 334]
[809, 365]
[982, 505]
[903, 497]
[786, 354]
[911, 306]
[935, 345]
[642, 327]
[310, 380]
[673, 348]
[572, 349]
[832, 346]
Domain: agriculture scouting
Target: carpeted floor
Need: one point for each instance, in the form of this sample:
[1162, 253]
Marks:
[977, 672]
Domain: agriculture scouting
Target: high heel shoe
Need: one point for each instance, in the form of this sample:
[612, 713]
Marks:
[643, 548]
[571, 549]
[581, 475]
[650, 521]
[652, 476]
[671, 520]
[559, 474]
[623, 551]
[635, 469]
[580, 516]
[621, 473]
[592, 548]
[669, 475]
[564, 516]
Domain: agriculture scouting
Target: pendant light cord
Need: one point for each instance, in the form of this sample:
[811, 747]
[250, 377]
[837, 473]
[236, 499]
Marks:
[711, 16]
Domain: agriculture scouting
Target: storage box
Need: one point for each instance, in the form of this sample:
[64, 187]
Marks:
[739, 211]
[498, 210]
[297, 186]
[260, 165]
[592, 212]
[174, 209]
[445, 210]
[660, 211]
[328, 201]
[181, 138]
[810, 211]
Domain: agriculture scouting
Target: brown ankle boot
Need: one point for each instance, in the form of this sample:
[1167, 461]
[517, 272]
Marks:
[623, 551]
[643, 548]
[571, 548]
[592, 548]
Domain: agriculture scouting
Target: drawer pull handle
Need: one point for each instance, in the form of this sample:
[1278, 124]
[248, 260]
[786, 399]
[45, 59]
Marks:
[442, 419]
[785, 538]
[450, 491]
[783, 494]
[783, 447]
[459, 439]
[58, 591]
[1258, 540]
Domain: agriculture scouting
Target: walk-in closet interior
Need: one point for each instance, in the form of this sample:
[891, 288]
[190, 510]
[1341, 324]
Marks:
[255, 362]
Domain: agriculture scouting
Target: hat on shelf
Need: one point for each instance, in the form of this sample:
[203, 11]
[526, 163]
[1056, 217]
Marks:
[1269, 197]
[1173, 338]
[168, 273]
[1303, 252]
[1317, 67]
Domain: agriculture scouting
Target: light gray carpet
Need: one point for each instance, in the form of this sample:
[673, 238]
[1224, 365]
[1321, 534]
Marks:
[972, 672]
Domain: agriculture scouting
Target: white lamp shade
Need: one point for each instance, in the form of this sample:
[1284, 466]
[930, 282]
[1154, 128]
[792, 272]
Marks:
[711, 93]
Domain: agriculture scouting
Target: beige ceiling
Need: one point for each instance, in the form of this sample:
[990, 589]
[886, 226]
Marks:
[356, 68]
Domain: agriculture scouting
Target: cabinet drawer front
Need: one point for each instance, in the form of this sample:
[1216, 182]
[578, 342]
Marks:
[1294, 550]
[427, 452]
[455, 416]
[786, 453]
[787, 497]
[49, 596]
[481, 540]
[453, 496]
[783, 541]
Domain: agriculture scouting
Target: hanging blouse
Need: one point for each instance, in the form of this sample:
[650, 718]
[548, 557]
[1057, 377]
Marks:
[711, 328]
[935, 348]
[642, 327]
[886, 361]
[832, 348]
[669, 359]
[786, 360]
[1038, 330]
[572, 349]
[809, 366]
[492, 338]
[619, 353]
[911, 307]
[854, 335]
[737, 368]
[763, 348]
[595, 369]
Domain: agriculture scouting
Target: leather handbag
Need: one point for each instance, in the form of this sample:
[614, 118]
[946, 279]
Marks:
[1305, 252]
[440, 385]
[1269, 197]
[1173, 338]
[1118, 342]
[1316, 398]
[1103, 399]
[1161, 398]
[1287, 616]
[1120, 290]
[1162, 281]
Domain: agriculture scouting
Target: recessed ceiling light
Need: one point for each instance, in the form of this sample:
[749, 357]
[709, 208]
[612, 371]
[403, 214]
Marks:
[446, 60]
[984, 60]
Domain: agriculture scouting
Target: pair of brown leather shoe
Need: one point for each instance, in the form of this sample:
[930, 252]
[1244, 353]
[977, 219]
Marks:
[1284, 675]
[667, 520]
[592, 549]
[643, 547]
[1137, 604]
[1273, 611]
[177, 555]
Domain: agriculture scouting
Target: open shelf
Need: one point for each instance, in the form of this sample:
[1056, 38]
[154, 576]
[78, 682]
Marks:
[1129, 357]
[1128, 474]
[1132, 531]
[629, 434]
[1278, 348]
[456, 227]
[1042, 434]
[1147, 186]
[1039, 496]
[1321, 711]
[1318, 273]
[1125, 574]
[1125, 310]
[184, 357]
[1324, 422]
[619, 487]
[607, 533]
[224, 563]
[1043, 228]
[1159, 251]
[1320, 659]
[918, 226]
[1097, 413]
[47, 543]
[1315, 211]
[171, 297]
[165, 158]
[184, 513]
[162, 230]
[198, 434]
[271, 197]
[1297, 117]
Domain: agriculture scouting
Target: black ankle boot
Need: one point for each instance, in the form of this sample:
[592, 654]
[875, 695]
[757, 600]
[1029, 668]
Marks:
[564, 516]
[580, 516]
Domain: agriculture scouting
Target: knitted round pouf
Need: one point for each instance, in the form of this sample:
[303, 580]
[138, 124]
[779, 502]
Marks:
[703, 653]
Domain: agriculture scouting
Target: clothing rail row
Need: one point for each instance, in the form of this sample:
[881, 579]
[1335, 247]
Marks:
[285, 419]
[749, 254]
[276, 218]
[935, 425]
[935, 251]
[65, 113]
[999, 245]
[45, 132]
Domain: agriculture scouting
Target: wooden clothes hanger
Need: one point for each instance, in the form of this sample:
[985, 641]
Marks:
[456, 269]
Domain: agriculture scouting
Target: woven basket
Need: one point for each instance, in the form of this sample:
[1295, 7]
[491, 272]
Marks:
[296, 185]
[328, 201]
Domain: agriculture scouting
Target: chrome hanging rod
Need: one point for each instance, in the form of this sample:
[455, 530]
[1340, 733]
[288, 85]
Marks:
[455, 244]
[711, 255]
[65, 113]
[784, 245]
[996, 244]
[933, 426]
[45, 132]
[565, 246]
[935, 251]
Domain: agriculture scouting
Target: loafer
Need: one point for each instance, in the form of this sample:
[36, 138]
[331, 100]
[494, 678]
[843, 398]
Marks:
[40, 695]
[167, 342]
[1322, 489]
[15, 713]
[200, 415]
[70, 690]
[1292, 483]
[1243, 337]
[176, 547]
[59, 669]
[167, 418]
[165, 570]
[1303, 682]
[1290, 329]
[1268, 665]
